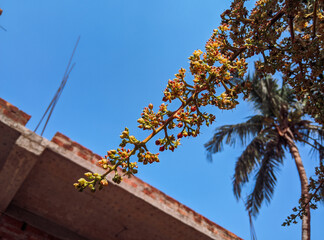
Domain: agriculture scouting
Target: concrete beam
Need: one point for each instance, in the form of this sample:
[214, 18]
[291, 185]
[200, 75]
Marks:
[20, 161]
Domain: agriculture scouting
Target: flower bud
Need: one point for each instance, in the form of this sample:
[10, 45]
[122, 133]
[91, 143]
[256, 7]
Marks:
[82, 181]
[125, 133]
[104, 182]
[141, 120]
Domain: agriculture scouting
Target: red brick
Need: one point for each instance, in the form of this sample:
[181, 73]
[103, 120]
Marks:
[84, 156]
[8, 236]
[197, 219]
[94, 161]
[34, 231]
[134, 185]
[182, 212]
[56, 141]
[75, 147]
[149, 192]
[13, 112]
[60, 135]
[130, 182]
[12, 229]
[10, 221]
[68, 147]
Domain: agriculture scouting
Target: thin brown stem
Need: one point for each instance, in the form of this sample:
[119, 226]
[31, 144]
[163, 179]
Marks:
[314, 194]
[276, 17]
[291, 29]
[315, 18]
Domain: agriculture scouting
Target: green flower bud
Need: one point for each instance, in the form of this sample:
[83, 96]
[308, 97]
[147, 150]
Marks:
[88, 174]
[82, 181]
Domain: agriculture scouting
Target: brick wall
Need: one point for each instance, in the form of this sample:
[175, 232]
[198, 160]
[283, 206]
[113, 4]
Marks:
[13, 112]
[13, 229]
[83, 152]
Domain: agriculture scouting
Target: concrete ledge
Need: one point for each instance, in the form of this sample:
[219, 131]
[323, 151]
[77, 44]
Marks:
[37, 177]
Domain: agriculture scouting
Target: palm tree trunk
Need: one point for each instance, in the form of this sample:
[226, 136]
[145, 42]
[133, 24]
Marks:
[304, 184]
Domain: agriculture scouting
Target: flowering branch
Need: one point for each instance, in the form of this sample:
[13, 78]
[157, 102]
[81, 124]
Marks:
[315, 189]
[240, 36]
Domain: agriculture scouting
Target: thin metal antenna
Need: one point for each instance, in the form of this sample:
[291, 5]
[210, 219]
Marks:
[3, 28]
[58, 93]
[56, 99]
[1, 25]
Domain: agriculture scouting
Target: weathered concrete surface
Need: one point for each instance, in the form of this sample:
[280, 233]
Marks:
[14, 173]
[42, 195]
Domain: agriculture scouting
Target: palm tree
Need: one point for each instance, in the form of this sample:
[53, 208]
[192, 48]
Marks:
[277, 126]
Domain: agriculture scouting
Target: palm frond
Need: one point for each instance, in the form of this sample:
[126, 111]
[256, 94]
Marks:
[264, 94]
[247, 162]
[287, 94]
[265, 179]
[229, 133]
[268, 99]
[278, 109]
[316, 131]
[314, 136]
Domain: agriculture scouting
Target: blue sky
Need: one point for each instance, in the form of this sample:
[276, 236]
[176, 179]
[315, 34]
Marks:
[127, 52]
